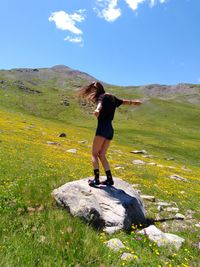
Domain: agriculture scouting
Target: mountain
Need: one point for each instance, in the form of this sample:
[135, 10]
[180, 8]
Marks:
[63, 77]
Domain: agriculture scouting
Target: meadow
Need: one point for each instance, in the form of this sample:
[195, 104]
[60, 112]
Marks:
[34, 231]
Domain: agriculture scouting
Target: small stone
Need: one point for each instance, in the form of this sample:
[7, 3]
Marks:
[127, 256]
[138, 162]
[152, 163]
[53, 143]
[148, 198]
[170, 158]
[115, 244]
[178, 178]
[73, 151]
[163, 204]
[172, 209]
[119, 168]
[184, 168]
[147, 156]
[119, 165]
[139, 152]
[62, 135]
[180, 216]
[171, 167]
[160, 166]
[83, 142]
[197, 224]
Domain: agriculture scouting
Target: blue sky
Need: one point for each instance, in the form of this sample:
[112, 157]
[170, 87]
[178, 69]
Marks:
[123, 42]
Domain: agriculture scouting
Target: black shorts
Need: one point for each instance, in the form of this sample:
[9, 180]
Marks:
[105, 129]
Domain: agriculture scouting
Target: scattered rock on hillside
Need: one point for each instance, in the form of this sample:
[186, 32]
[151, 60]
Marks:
[26, 89]
[172, 209]
[119, 168]
[147, 156]
[161, 238]
[148, 198]
[83, 142]
[115, 244]
[178, 178]
[53, 143]
[110, 207]
[62, 135]
[127, 256]
[138, 162]
[139, 152]
[73, 151]
[160, 166]
[151, 163]
[184, 168]
[170, 158]
[119, 165]
[180, 216]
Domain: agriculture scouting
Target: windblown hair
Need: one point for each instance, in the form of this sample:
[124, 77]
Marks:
[92, 91]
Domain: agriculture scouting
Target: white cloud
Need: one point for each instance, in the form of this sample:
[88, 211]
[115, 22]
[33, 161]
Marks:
[74, 39]
[133, 4]
[110, 12]
[67, 22]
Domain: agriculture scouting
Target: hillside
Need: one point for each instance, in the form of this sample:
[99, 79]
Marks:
[36, 105]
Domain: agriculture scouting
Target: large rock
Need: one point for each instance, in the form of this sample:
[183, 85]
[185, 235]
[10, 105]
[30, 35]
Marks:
[111, 207]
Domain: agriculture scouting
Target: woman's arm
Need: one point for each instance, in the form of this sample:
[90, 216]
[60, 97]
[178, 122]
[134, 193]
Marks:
[135, 102]
[98, 109]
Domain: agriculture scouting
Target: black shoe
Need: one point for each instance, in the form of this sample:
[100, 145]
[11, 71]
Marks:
[108, 182]
[93, 182]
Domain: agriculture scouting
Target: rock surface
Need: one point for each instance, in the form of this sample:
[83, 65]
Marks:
[73, 151]
[178, 178]
[127, 256]
[111, 207]
[161, 238]
[138, 162]
[115, 244]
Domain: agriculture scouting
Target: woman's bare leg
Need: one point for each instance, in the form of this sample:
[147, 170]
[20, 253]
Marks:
[96, 148]
[102, 155]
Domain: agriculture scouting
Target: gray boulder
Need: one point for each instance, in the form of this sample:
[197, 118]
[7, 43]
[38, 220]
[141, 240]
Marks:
[161, 238]
[110, 207]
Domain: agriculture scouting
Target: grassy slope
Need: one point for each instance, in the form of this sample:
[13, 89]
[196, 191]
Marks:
[34, 231]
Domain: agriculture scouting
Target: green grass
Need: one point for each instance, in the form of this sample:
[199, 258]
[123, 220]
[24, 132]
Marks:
[34, 231]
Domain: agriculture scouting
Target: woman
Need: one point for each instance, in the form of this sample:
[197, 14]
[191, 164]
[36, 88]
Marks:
[105, 110]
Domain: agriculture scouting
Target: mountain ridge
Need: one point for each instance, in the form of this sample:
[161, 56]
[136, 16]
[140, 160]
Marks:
[62, 77]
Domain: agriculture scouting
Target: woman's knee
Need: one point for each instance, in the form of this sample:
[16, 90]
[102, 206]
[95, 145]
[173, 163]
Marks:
[94, 155]
[102, 156]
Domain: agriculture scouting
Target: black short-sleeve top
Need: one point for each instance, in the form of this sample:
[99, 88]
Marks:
[109, 104]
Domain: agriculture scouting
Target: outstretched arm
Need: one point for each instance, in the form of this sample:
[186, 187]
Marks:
[98, 109]
[135, 102]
